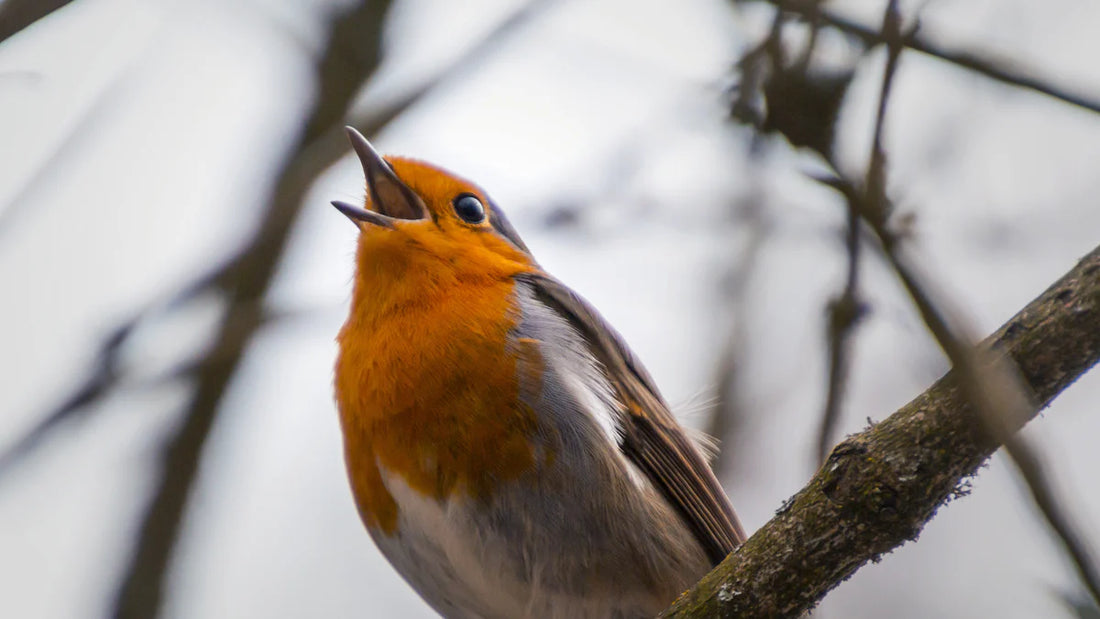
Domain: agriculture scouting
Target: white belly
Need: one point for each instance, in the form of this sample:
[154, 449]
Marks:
[446, 555]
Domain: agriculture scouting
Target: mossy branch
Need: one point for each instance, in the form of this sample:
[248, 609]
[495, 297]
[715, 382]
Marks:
[878, 488]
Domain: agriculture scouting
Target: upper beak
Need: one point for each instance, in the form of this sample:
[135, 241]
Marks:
[390, 198]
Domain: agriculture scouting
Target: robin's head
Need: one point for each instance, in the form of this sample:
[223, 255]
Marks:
[420, 217]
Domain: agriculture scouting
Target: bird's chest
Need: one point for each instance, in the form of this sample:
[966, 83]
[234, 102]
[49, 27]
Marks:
[432, 397]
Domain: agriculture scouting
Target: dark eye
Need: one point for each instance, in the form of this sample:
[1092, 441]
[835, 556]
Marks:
[469, 208]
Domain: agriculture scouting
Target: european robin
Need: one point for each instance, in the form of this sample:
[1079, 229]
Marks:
[507, 452]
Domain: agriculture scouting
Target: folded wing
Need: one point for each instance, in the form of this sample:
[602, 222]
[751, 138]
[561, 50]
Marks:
[652, 438]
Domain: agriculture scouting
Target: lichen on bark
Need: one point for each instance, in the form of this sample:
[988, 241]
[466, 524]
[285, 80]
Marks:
[879, 487]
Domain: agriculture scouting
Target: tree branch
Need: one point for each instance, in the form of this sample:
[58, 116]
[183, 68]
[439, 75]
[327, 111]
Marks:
[968, 60]
[991, 386]
[879, 487]
[15, 15]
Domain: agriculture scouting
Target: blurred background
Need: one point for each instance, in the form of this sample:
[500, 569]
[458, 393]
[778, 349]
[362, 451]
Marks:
[173, 276]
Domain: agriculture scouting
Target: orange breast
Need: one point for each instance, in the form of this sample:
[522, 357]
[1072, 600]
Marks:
[427, 383]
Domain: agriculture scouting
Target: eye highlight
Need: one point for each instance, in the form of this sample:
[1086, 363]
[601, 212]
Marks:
[469, 208]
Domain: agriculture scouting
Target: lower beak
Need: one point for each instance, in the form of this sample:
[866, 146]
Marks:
[356, 214]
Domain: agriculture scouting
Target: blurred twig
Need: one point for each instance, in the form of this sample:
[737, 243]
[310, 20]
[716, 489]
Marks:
[15, 15]
[108, 376]
[1029, 464]
[972, 61]
[795, 99]
[997, 395]
[879, 488]
[103, 378]
[727, 418]
[846, 310]
[351, 54]
[1078, 605]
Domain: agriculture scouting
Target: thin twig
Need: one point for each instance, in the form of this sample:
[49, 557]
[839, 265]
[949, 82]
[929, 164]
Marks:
[968, 60]
[1029, 464]
[846, 310]
[875, 183]
[844, 313]
[101, 380]
[106, 377]
[756, 65]
[15, 15]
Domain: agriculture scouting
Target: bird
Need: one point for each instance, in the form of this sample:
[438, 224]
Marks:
[507, 451]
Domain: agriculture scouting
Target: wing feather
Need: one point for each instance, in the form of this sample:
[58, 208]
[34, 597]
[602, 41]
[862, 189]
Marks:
[652, 438]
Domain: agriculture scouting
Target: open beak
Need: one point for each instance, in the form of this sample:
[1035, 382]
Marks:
[356, 214]
[390, 198]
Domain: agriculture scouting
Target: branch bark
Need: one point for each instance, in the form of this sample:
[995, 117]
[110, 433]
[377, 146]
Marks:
[15, 15]
[879, 487]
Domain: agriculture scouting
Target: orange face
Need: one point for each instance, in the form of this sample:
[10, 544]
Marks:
[452, 228]
[419, 216]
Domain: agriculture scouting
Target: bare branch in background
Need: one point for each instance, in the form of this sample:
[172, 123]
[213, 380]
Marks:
[801, 103]
[351, 54]
[992, 386]
[971, 61]
[728, 418]
[846, 310]
[794, 99]
[1030, 466]
[1077, 605]
[15, 15]
[878, 488]
[103, 378]
[107, 377]
[844, 313]
[874, 185]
